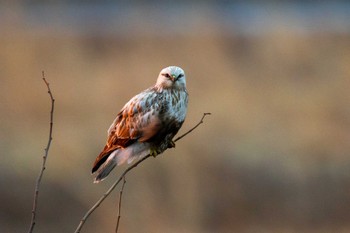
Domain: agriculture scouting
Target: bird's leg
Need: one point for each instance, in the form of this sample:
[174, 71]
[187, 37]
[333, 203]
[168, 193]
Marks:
[154, 151]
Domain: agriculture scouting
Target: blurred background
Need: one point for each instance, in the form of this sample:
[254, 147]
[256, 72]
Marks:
[273, 157]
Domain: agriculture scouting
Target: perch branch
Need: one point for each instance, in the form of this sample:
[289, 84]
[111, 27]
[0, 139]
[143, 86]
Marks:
[38, 181]
[120, 205]
[199, 123]
[105, 195]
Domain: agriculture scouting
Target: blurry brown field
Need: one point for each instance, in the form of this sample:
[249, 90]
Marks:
[273, 157]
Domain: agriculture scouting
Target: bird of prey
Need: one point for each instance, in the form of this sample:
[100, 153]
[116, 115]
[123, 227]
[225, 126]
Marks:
[146, 124]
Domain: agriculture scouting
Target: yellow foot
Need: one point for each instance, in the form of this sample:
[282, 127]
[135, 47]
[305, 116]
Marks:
[154, 152]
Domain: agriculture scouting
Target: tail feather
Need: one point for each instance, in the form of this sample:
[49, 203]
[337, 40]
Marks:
[105, 168]
[118, 157]
[103, 172]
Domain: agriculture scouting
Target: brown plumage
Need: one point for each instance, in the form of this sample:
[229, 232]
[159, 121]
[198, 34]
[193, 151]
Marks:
[146, 124]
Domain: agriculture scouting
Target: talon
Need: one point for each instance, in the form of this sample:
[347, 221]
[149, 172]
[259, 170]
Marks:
[153, 152]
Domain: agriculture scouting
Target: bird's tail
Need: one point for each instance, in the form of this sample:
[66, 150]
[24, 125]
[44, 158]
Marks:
[115, 158]
[106, 162]
[105, 168]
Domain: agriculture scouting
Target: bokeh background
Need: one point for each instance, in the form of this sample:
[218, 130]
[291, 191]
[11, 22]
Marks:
[273, 157]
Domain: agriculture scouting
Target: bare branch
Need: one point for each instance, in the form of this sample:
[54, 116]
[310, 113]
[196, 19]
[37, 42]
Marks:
[97, 204]
[199, 123]
[120, 205]
[38, 181]
[105, 195]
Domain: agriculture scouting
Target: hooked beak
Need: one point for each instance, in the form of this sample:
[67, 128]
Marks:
[173, 78]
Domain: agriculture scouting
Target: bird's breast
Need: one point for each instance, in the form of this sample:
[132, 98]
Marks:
[176, 104]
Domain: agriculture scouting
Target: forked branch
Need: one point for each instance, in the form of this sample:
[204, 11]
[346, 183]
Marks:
[38, 181]
[122, 176]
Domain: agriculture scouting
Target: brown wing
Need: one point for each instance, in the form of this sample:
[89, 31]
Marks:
[137, 121]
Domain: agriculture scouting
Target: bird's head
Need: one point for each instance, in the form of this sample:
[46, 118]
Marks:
[172, 77]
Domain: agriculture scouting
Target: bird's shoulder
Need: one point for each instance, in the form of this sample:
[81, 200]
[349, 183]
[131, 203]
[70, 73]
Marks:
[138, 114]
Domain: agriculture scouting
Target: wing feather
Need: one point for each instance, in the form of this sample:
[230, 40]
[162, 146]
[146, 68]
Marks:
[137, 121]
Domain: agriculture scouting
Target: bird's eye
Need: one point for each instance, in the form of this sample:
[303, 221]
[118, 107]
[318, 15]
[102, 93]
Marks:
[180, 76]
[166, 75]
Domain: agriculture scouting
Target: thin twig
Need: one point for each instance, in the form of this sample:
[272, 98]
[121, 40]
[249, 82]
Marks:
[105, 195]
[200, 122]
[120, 205]
[38, 181]
[97, 204]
